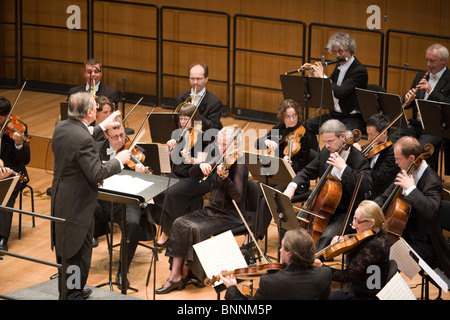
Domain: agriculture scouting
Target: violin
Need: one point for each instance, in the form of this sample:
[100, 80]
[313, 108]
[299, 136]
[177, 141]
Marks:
[22, 178]
[15, 125]
[293, 142]
[324, 199]
[191, 140]
[372, 148]
[396, 209]
[342, 247]
[248, 272]
[136, 157]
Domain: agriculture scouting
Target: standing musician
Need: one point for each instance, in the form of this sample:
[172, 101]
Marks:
[229, 179]
[346, 167]
[433, 85]
[15, 153]
[346, 77]
[77, 172]
[383, 168]
[372, 249]
[108, 149]
[422, 190]
[186, 195]
[210, 107]
[289, 131]
[299, 280]
[93, 74]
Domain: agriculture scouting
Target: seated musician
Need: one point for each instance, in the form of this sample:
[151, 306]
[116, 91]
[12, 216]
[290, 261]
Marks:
[186, 195]
[346, 167]
[299, 280]
[276, 143]
[15, 154]
[373, 250]
[104, 109]
[108, 148]
[228, 182]
[422, 191]
[383, 168]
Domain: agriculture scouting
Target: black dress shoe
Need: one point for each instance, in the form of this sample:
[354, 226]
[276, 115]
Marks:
[173, 286]
[94, 242]
[86, 293]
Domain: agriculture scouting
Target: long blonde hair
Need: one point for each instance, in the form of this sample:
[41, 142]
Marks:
[372, 211]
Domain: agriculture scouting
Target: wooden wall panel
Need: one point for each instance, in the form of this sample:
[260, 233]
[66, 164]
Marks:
[255, 69]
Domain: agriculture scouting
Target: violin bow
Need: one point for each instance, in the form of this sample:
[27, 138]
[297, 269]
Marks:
[141, 132]
[132, 109]
[250, 232]
[14, 104]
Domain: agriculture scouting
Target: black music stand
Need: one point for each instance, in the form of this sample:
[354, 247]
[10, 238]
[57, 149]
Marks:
[141, 199]
[267, 168]
[308, 91]
[158, 160]
[373, 102]
[435, 119]
[282, 211]
[162, 124]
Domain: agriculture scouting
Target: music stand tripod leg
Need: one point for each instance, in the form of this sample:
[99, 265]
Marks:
[124, 251]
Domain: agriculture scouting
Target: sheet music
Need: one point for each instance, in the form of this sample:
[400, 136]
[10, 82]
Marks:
[219, 253]
[126, 184]
[164, 158]
[440, 282]
[396, 289]
[405, 263]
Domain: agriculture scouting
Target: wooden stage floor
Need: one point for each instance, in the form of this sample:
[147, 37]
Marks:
[40, 111]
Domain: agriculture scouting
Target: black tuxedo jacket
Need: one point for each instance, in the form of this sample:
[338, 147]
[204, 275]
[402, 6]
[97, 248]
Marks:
[384, 172]
[77, 172]
[291, 283]
[210, 110]
[355, 77]
[424, 218]
[356, 163]
[103, 90]
[440, 93]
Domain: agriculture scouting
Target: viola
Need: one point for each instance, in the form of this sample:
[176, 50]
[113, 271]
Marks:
[395, 208]
[324, 199]
[248, 272]
[341, 247]
[191, 140]
[293, 142]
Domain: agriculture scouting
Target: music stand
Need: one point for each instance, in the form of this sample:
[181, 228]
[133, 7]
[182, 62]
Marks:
[265, 168]
[7, 186]
[282, 211]
[63, 110]
[373, 102]
[430, 113]
[162, 124]
[124, 195]
[159, 157]
[307, 91]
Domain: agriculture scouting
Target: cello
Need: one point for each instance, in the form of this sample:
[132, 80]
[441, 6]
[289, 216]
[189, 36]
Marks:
[395, 208]
[325, 198]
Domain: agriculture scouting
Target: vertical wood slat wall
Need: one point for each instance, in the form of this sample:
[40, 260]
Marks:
[125, 56]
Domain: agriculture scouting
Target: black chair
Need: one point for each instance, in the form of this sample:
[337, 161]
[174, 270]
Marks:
[375, 87]
[392, 270]
[20, 207]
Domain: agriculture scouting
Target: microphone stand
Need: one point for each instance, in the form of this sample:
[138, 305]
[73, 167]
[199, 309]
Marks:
[128, 131]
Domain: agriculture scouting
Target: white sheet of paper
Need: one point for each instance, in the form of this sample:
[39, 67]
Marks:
[125, 184]
[219, 253]
[406, 264]
[396, 289]
[441, 283]
[164, 158]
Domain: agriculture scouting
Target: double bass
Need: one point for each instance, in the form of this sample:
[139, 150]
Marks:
[324, 199]
[395, 208]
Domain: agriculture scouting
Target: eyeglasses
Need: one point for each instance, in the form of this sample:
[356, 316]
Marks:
[356, 222]
[116, 137]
